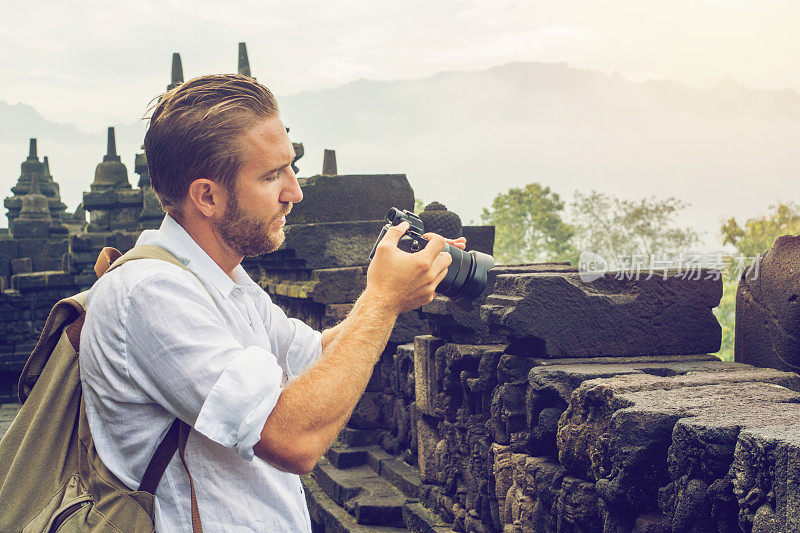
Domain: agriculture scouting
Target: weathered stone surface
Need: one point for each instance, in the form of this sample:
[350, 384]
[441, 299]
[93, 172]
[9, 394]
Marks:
[618, 431]
[345, 198]
[566, 317]
[329, 245]
[462, 322]
[338, 285]
[367, 413]
[426, 378]
[768, 309]
[407, 327]
[428, 439]
[765, 476]
[479, 238]
[21, 265]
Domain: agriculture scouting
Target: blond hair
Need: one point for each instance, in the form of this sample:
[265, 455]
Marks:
[196, 130]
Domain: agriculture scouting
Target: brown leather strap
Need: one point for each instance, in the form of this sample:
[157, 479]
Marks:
[197, 527]
[175, 439]
[161, 458]
[74, 331]
[107, 256]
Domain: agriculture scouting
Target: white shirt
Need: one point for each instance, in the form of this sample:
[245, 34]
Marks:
[158, 344]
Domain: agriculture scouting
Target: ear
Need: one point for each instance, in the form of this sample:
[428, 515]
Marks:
[207, 197]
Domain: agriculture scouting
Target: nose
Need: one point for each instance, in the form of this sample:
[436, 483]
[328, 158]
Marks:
[291, 193]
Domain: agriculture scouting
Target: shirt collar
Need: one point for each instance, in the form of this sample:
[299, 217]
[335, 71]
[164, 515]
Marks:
[172, 237]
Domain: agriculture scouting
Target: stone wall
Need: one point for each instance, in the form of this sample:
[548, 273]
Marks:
[24, 309]
[568, 405]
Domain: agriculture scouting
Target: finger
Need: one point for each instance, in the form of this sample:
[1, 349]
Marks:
[435, 245]
[443, 261]
[393, 233]
[440, 277]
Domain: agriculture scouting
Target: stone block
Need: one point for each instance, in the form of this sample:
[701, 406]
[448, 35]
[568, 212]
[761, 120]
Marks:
[30, 229]
[618, 430]
[329, 245]
[427, 441]
[124, 219]
[129, 197]
[82, 242]
[36, 249]
[345, 198]
[57, 248]
[479, 238]
[29, 281]
[465, 379]
[367, 413]
[768, 309]
[408, 326]
[21, 265]
[578, 508]
[103, 199]
[765, 475]
[462, 322]
[8, 251]
[337, 285]
[425, 375]
[98, 221]
[559, 315]
[551, 387]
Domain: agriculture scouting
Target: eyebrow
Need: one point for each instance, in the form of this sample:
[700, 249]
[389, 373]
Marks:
[294, 155]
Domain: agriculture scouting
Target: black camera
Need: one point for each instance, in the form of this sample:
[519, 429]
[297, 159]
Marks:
[466, 275]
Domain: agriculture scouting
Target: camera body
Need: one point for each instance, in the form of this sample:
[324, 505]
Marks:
[466, 276]
[412, 241]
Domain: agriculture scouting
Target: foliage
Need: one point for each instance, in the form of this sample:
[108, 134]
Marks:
[726, 314]
[419, 205]
[613, 227]
[528, 226]
[756, 237]
[758, 234]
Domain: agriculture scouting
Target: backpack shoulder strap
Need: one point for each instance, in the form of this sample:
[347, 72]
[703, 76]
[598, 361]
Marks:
[144, 251]
[178, 433]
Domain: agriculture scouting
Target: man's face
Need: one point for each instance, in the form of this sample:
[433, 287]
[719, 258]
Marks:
[263, 194]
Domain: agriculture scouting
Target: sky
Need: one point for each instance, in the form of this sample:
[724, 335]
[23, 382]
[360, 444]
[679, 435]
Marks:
[93, 63]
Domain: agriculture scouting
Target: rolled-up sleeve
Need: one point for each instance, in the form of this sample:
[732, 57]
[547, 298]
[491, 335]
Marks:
[181, 355]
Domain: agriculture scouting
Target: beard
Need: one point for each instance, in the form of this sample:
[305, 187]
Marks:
[246, 235]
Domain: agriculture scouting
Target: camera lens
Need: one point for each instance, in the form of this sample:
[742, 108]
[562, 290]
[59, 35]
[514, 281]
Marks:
[467, 274]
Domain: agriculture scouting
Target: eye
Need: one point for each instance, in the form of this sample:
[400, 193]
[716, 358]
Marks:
[271, 177]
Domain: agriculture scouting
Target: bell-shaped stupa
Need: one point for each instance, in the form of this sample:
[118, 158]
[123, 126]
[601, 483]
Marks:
[111, 173]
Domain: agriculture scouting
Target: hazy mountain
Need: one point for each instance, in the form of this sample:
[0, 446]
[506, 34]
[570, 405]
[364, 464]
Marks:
[462, 137]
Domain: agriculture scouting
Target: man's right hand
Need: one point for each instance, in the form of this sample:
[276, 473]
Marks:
[405, 281]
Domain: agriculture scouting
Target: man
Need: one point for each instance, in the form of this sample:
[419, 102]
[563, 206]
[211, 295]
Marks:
[207, 345]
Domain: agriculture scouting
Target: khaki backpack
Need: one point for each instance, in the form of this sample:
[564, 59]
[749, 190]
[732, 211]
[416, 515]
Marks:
[51, 478]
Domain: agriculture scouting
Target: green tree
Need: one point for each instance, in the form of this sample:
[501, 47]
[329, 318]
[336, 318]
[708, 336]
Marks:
[528, 226]
[726, 315]
[759, 233]
[756, 237]
[613, 227]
